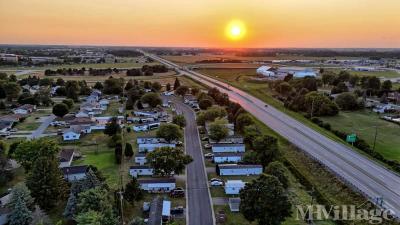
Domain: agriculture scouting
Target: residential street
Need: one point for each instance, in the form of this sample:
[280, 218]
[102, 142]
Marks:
[39, 131]
[198, 197]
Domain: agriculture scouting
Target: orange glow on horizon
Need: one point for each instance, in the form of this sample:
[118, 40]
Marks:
[192, 23]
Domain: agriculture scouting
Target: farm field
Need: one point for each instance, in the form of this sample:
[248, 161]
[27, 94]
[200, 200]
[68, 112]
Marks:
[386, 74]
[363, 124]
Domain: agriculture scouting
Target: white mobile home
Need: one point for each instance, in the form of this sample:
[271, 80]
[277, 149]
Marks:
[233, 187]
[228, 148]
[152, 147]
[228, 157]
[157, 184]
[140, 158]
[150, 140]
[238, 170]
[136, 171]
[153, 114]
[146, 126]
[228, 140]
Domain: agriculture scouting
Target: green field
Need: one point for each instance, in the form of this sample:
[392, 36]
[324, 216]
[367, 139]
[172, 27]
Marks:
[363, 124]
[386, 74]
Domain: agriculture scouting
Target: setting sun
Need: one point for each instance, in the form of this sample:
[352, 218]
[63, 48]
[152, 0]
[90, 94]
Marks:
[236, 30]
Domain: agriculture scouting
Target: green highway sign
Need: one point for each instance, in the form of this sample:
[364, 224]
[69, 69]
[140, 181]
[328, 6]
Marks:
[351, 138]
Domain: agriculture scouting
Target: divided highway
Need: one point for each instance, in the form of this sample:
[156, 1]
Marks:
[362, 174]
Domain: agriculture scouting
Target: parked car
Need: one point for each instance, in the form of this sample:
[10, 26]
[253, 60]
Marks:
[179, 143]
[204, 139]
[177, 210]
[177, 192]
[216, 183]
[216, 179]
[207, 146]
[208, 155]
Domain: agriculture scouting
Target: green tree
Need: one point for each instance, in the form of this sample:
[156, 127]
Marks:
[354, 80]
[211, 114]
[166, 160]
[387, 85]
[168, 87]
[339, 88]
[177, 83]
[194, 91]
[28, 151]
[137, 221]
[156, 86]
[170, 132]
[284, 88]
[266, 148]
[133, 192]
[218, 129]
[205, 103]
[69, 103]
[113, 86]
[319, 105]
[265, 200]
[20, 214]
[182, 90]
[347, 101]
[243, 120]
[60, 110]
[328, 77]
[89, 218]
[45, 182]
[279, 171]
[5, 173]
[179, 120]
[128, 150]
[112, 127]
[12, 90]
[98, 85]
[20, 191]
[151, 98]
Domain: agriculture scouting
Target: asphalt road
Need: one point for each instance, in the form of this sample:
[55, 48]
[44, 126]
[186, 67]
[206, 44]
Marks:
[362, 174]
[199, 204]
[39, 131]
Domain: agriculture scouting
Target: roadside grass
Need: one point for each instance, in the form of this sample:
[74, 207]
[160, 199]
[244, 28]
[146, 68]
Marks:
[363, 123]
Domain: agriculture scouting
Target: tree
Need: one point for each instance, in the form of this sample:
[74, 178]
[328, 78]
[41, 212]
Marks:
[129, 85]
[45, 182]
[20, 214]
[211, 114]
[128, 150]
[373, 83]
[151, 98]
[98, 85]
[39, 217]
[166, 160]
[112, 127]
[133, 192]
[205, 103]
[97, 200]
[137, 221]
[177, 84]
[71, 207]
[182, 90]
[12, 90]
[28, 152]
[5, 174]
[20, 191]
[319, 105]
[89, 218]
[60, 82]
[243, 120]
[72, 89]
[354, 80]
[60, 110]
[170, 132]
[339, 88]
[69, 103]
[266, 148]
[179, 120]
[3, 93]
[347, 101]
[218, 129]
[264, 200]
[279, 171]
[386, 86]
[168, 87]
[284, 88]
[113, 86]
[156, 86]
[194, 91]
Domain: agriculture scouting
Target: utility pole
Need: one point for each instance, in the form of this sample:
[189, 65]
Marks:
[312, 108]
[376, 134]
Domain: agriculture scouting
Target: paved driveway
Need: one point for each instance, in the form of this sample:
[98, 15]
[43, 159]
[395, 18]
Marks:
[39, 131]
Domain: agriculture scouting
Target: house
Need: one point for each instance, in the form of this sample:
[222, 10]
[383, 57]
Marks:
[234, 204]
[140, 158]
[266, 71]
[144, 113]
[83, 114]
[234, 139]
[72, 173]
[136, 171]
[157, 184]
[140, 119]
[24, 109]
[228, 157]
[166, 211]
[71, 134]
[103, 120]
[80, 121]
[150, 140]
[233, 187]
[104, 104]
[228, 148]
[146, 126]
[189, 99]
[152, 147]
[238, 169]
[65, 157]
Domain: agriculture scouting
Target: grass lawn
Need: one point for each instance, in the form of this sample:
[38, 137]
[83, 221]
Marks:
[363, 124]
[112, 109]
[32, 122]
[386, 74]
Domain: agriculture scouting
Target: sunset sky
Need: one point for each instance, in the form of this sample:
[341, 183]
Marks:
[202, 23]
